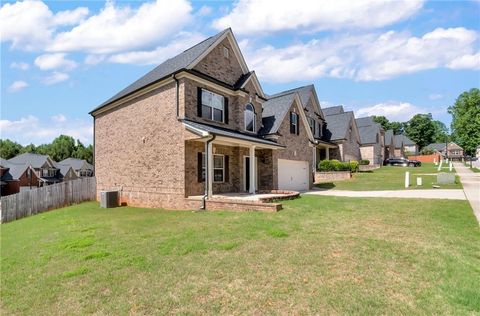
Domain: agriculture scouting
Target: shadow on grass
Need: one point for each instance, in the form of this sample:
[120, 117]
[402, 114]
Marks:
[325, 186]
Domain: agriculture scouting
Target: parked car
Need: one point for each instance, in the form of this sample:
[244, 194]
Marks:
[470, 158]
[400, 161]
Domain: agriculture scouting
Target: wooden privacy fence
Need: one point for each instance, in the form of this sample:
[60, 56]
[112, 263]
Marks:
[50, 197]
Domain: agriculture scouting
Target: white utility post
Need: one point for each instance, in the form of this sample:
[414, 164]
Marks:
[209, 174]
[440, 165]
[435, 161]
[407, 179]
[419, 181]
[253, 171]
[450, 166]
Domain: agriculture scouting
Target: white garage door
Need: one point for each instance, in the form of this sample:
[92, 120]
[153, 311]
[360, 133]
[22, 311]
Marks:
[292, 175]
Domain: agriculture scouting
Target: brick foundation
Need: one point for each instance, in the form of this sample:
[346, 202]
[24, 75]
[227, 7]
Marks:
[332, 176]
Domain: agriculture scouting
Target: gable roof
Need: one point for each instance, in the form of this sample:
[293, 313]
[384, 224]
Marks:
[398, 141]
[76, 163]
[368, 134]
[436, 146]
[365, 121]
[15, 169]
[185, 60]
[388, 136]
[333, 110]
[304, 93]
[34, 160]
[407, 141]
[338, 125]
[274, 112]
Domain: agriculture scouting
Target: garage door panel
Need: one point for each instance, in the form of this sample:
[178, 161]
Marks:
[293, 175]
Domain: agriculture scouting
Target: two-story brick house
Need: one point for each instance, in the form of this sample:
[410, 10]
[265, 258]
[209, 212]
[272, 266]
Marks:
[372, 140]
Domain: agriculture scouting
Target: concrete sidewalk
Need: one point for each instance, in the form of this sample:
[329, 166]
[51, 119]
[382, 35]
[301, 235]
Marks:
[453, 194]
[471, 186]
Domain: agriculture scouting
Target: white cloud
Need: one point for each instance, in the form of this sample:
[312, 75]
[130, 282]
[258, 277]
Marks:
[435, 96]
[31, 129]
[392, 110]
[54, 61]
[160, 54]
[55, 77]
[250, 16]
[93, 59]
[466, 62]
[117, 29]
[19, 65]
[17, 86]
[362, 57]
[29, 25]
[204, 10]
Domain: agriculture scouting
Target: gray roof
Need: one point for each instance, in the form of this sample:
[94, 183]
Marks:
[15, 169]
[228, 133]
[333, 110]
[64, 169]
[365, 121]
[76, 163]
[34, 160]
[368, 134]
[338, 125]
[274, 112]
[398, 141]
[388, 136]
[436, 146]
[166, 68]
[304, 93]
[407, 141]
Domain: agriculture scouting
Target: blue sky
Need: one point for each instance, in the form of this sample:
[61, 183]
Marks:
[60, 59]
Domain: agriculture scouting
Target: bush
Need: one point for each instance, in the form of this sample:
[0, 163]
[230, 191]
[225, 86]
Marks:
[364, 162]
[427, 151]
[334, 165]
[353, 166]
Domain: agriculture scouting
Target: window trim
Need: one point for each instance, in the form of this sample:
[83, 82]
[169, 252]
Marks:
[211, 118]
[295, 124]
[204, 167]
[312, 124]
[245, 118]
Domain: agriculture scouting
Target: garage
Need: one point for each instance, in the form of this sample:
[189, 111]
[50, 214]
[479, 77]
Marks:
[293, 175]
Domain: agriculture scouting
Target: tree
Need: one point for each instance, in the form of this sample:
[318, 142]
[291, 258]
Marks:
[441, 132]
[29, 149]
[9, 149]
[382, 120]
[62, 147]
[82, 152]
[421, 129]
[466, 120]
[397, 127]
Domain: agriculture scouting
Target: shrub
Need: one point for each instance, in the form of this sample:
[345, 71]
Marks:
[364, 162]
[427, 151]
[334, 165]
[325, 165]
[353, 166]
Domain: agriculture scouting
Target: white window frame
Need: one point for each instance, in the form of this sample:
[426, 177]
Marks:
[296, 116]
[245, 118]
[204, 170]
[311, 124]
[226, 52]
[212, 106]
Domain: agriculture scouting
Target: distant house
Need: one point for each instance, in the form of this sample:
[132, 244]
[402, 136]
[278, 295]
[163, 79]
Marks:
[81, 167]
[399, 150]
[341, 129]
[372, 140]
[451, 151]
[16, 177]
[8, 184]
[389, 144]
[409, 146]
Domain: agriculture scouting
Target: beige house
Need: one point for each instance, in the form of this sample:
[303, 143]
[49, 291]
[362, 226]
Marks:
[372, 140]
[200, 124]
[341, 130]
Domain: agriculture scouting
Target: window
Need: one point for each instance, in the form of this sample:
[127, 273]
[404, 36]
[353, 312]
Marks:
[311, 123]
[350, 132]
[249, 117]
[218, 168]
[213, 106]
[48, 172]
[318, 131]
[293, 123]
[226, 52]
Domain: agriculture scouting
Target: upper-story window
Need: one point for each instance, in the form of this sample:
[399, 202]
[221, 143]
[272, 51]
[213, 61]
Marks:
[226, 52]
[294, 128]
[249, 118]
[319, 131]
[213, 106]
[48, 172]
[312, 124]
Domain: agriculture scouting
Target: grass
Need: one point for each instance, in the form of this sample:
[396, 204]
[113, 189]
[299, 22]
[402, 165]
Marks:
[392, 178]
[474, 169]
[320, 255]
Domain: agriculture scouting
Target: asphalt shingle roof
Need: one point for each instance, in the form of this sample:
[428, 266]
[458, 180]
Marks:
[333, 110]
[368, 134]
[274, 112]
[338, 125]
[388, 136]
[398, 140]
[365, 121]
[304, 93]
[34, 160]
[229, 133]
[168, 67]
[76, 164]
[15, 169]
[436, 146]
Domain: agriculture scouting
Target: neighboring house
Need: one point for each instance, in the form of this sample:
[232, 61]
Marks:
[399, 150]
[81, 167]
[454, 151]
[21, 173]
[389, 144]
[372, 140]
[8, 184]
[341, 129]
[45, 170]
[187, 128]
[409, 146]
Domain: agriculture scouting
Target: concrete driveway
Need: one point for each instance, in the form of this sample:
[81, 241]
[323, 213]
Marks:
[471, 186]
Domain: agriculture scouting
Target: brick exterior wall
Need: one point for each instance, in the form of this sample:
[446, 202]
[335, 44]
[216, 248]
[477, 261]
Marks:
[11, 187]
[216, 65]
[374, 153]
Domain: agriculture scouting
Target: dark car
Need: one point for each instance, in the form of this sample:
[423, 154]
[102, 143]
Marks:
[400, 161]
[470, 158]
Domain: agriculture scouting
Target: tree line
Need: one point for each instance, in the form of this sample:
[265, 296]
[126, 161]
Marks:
[424, 130]
[60, 148]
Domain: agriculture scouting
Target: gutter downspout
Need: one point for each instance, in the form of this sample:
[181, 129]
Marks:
[177, 98]
[212, 138]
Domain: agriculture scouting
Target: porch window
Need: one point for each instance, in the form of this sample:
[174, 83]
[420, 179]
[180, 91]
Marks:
[213, 106]
[249, 118]
[311, 123]
[218, 168]
[293, 123]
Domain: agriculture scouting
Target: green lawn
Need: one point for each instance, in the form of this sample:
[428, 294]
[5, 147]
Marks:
[474, 169]
[320, 255]
[392, 178]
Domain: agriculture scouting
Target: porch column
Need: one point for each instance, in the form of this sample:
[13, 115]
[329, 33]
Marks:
[327, 153]
[209, 173]
[253, 171]
[314, 164]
